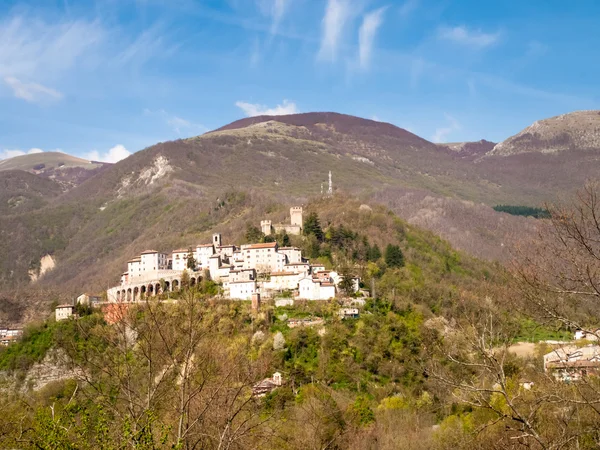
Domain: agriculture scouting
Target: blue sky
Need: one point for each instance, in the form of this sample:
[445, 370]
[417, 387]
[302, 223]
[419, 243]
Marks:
[104, 78]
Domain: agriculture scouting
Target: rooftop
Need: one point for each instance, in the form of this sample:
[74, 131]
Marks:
[257, 246]
[149, 252]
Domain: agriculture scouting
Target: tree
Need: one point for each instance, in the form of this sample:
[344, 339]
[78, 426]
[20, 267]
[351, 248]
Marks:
[394, 256]
[346, 284]
[312, 226]
[374, 253]
[191, 261]
[253, 234]
[285, 240]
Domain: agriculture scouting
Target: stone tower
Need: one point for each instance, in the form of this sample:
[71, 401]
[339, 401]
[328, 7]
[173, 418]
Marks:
[265, 227]
[296, 215]
[217, 239]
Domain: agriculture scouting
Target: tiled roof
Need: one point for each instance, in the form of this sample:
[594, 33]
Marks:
[256, 246]
[149, 252]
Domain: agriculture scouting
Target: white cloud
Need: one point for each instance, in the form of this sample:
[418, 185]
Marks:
[113, 155]
[366, 36]
[276, 9]
[255, 109]
[41, 52]
[31, 92]
[336, 16]
[5, 154]
[408, 7]
[178, 124]
[471, 38]
[441, 134]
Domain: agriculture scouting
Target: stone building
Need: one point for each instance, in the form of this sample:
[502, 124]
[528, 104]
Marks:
[63, 312]
[294, 227]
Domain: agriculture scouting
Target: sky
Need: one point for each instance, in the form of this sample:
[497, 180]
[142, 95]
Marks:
[102, 79]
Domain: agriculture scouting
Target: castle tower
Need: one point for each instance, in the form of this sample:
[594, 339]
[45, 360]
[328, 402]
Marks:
[265, 227]
[296, 215]
[216, 239]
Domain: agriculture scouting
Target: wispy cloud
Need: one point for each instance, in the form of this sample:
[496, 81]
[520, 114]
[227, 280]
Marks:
[6, 153]
[112, 155]
[408, 7]
[41, 52]
[255, 109]
[32, 92]
[441, 134]
[471, 38]
[366, 36]
[337, 14]
[277, 11]
[176, 123]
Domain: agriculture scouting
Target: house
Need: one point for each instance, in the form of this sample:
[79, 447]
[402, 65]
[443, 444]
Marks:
[585, 335]
[571, 363]
[349, 313]
[242, 290]
[179, 258]
[310, 288]
[151, 261]
[8, 336]
[263, 257]
[88, 299]
[294, 254]
[267, 385]
[282, 281]
[63, 312]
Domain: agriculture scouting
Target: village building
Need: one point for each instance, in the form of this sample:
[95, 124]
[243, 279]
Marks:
[571, 363]
[587, 336]
[179, 259]
[88, 299]
[263, 257]
[294, 227]
[267, 385]
[9, 336]
[349, 313]
[263, 268]
[64, 312]
[310, 288]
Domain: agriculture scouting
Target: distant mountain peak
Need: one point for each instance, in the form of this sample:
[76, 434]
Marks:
[578, 130]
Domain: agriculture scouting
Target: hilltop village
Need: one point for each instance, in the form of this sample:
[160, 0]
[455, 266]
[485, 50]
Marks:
[265, 269]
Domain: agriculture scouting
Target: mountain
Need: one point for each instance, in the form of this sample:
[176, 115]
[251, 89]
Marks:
[67, 170]
[468, 149]
[176, 194]
[22, 191]
[577, 131]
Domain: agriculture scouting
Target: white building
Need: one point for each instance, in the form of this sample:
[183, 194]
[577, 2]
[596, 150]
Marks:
[63, 312]
[88, 299]
[263, 257]
[203, 253]
[282, 281]
[242, 290]
[151, 260]
[179, 259]
[294, 254]
[313, 289]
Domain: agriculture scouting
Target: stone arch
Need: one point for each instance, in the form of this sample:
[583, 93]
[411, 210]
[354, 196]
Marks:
[150, 290]
[175, 285]
[129, 294]
[123, 295]
[157, 289]
[192, 281]
[143, 291]
[167, 286]
[136, 294]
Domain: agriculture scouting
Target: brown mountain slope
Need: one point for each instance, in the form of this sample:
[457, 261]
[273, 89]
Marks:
[579, 130]
[22, 191]
[67, 170]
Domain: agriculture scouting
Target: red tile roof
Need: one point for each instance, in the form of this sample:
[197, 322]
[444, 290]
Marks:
[256, 246]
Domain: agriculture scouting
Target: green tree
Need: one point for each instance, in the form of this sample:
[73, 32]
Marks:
[312, 226]
[374, 253]
[191, 261]
[346, 284]
[285, 240]
[394, 256]
[253, 234]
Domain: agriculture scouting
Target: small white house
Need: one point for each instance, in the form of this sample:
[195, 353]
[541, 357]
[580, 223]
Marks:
[242, 290]
[63, 312]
